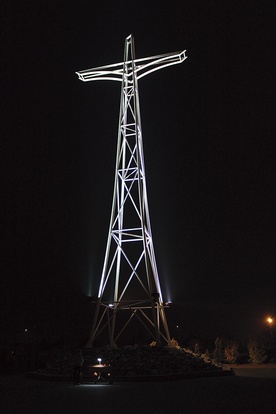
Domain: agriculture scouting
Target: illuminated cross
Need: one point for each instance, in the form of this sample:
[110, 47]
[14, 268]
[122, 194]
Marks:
[129, 280]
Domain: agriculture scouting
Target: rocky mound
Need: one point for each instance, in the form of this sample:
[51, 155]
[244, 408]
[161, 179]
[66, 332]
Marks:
[147, 360]
[133, 361]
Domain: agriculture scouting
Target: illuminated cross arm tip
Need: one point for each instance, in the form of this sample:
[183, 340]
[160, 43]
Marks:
[142, 67]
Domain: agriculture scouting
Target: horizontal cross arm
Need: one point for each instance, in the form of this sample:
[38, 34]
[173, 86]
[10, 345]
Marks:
[142, 67]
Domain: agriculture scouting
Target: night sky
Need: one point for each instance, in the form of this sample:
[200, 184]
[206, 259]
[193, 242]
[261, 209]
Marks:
[209, 152]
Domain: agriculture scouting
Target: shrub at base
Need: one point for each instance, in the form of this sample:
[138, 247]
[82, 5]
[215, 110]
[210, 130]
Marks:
[218, 352]
[231, 353]
[257, 352]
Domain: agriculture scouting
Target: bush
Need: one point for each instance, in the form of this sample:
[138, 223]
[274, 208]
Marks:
[218, 352]
[197, 349]
[231, 353]
[257, 352]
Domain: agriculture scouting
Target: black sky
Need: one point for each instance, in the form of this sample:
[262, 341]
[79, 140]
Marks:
[210, 159]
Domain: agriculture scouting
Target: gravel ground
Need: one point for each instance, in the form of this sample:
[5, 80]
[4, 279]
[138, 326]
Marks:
[218, 395]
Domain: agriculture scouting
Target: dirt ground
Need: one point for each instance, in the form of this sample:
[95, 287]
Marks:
[250, 391]
[256, 371]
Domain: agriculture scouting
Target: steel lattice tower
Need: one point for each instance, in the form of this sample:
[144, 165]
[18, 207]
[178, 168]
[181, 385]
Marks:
[129, 280]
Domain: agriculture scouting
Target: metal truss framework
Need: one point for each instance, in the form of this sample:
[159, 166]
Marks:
[130, 278]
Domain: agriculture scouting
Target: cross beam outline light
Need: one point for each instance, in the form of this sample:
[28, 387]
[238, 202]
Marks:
[143, 67]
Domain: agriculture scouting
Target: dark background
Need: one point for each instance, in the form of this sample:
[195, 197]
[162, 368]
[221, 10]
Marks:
[207, 130]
